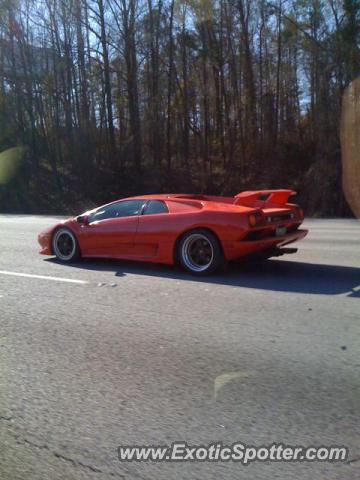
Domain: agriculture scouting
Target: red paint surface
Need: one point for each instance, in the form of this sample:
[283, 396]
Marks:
[153, 238]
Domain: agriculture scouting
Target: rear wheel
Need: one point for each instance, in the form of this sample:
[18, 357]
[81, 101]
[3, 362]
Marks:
[65, 246]
[199, 252]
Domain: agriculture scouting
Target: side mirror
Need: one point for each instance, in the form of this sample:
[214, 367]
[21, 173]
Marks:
[83, 219]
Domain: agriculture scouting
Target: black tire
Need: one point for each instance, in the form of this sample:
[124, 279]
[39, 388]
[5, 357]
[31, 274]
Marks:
[200, 253]
[65, 245]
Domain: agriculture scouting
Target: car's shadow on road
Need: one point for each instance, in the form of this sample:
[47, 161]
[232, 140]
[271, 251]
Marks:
[273, 275]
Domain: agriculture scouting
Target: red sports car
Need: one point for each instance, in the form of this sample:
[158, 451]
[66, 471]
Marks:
[199, 232]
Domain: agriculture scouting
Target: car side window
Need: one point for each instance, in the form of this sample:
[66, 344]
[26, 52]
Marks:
[126, 208]
[155, 206]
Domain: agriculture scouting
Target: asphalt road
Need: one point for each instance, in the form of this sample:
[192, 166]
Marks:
[141, 354]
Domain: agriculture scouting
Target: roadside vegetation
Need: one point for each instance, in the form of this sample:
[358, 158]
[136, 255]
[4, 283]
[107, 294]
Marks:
[108, 98]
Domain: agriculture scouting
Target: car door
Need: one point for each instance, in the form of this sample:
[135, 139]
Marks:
[110, 231]
[152, 232]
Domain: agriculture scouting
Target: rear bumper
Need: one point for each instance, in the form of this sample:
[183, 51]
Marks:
[233, 250]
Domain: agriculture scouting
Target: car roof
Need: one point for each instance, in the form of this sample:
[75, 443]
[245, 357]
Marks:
[209, 202]
[180, 197]
[163, 196]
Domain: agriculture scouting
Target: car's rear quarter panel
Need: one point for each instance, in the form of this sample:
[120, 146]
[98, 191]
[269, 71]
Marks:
[157, 234]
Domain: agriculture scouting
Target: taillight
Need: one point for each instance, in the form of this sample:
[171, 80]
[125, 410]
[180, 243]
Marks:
[252, 220]
[255, 219]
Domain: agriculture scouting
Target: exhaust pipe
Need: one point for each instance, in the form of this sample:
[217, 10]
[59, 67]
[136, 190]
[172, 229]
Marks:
[278, 252]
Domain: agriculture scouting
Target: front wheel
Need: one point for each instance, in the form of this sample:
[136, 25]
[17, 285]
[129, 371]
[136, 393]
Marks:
[65, 246]
[199, 252]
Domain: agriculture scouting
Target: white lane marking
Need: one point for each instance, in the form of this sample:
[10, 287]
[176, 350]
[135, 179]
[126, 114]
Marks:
[43, 277]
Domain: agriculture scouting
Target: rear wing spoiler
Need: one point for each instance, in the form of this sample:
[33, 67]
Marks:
[263, 198]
